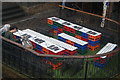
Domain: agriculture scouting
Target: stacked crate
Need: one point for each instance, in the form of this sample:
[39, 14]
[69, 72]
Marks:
[43, 46]
[59, 26]
[56, 28]
[50, 48]
[68, 48]
[82, 45]
[40, 43]
[92, 37]
[47, 47]
[100, 63]
[55, 66]
[107, 48]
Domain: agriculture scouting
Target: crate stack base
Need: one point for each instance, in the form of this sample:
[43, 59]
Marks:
[47, 45]
[80, 32]
[93, 48]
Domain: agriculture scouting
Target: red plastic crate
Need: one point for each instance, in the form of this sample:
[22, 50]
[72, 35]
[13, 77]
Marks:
[50, 52]
[101, 61]
[94, 38]
[112, 54]
[66, 28]
[51, 31]
[55, 32]
[61, 52]
[50, 22]
[60, 30]
[93, 48]
[38, 51]
[84, 39]
[97, 58]
[33, 44]
[72, 52]
[72, 30]
[14, 37]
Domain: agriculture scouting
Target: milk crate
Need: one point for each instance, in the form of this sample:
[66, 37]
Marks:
[84, 35]
[93, 43]
[50, 22]
[58, 25]
[93, 48]
[49, 25]
[79, 33]
[39, 47]
[72, 30]
[54, 27]
[79, 46]
[94, 38]
[79, 37]
[33, 44]
[45, 51]
[70, 42]
[60, 30]
[84, 39]
[71, 34]
[62, 39]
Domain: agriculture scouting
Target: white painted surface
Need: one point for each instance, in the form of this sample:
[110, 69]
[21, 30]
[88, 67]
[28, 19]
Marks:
[52, 40]
[73, 39]
[84, 30]
[107, 48]
[62, 44]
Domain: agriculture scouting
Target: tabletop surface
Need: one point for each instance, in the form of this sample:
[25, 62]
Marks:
[75, 26]
[107, 48]
[52, 40]
[41, 40]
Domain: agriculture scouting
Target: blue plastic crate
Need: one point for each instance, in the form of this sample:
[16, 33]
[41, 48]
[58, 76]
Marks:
[55, 27]
[99, 65]
[93, 43]
[59, 32]
[85, 46]
[46, 58]
[77, 45]
[62, 39]
[17, 37]
[39, 47]
[80, 46]
[84, 35]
